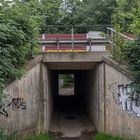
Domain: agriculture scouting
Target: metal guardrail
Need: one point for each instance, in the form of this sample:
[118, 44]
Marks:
[75, 41]
[76, 28]
[113, 31]
[110, 32]
[112, 38]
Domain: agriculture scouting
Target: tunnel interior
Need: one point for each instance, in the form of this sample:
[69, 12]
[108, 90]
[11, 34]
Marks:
[70, 104]
[71, 115]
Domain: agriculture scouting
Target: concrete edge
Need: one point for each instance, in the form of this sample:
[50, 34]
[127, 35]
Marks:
[33, 62]
[121, 68]
[82, 52]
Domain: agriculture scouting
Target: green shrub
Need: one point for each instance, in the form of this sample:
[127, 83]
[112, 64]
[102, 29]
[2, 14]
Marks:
[6, 135]
[18, 35]
[100, 136]
[131, 54]
[128, 54]
[117, 51]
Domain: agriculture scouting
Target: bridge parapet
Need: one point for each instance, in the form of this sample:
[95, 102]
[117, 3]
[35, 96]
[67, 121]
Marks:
[95, 56]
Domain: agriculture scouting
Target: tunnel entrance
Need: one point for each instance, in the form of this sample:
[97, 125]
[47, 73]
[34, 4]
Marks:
[71, 117]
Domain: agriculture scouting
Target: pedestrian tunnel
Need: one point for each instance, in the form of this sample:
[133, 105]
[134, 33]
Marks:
[72, 110]
[36, 103]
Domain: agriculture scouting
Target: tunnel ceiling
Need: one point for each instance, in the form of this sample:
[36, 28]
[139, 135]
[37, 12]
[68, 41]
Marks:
[71, 65]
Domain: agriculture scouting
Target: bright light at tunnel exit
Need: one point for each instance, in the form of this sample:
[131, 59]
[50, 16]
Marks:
[66, 84]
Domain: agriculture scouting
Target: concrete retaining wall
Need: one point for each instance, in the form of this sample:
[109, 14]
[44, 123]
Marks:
[108, 103]
[20, 110]
[96, 99]
[28, 107]
[122, 115]
[95, 96]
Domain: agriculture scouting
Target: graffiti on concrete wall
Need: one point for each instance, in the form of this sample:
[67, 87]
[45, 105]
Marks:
[17, 103]
[3, 111]
[128, 99]
[14, 103]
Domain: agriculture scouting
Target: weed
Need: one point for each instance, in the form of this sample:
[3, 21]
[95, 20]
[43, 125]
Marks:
[100, 136]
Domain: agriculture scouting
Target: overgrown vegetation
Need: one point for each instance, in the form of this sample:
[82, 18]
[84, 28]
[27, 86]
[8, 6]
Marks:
[131, 53]
[6, 135]
[126, 15]
[100, 136]
[128, 53]
[40, 137]
[19, 26]
[127, 20]
[117, 50]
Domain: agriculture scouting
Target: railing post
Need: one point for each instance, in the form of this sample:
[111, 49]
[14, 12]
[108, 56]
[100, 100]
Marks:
[90, 44]
[43, 48]
[72, 38]
[58, 45]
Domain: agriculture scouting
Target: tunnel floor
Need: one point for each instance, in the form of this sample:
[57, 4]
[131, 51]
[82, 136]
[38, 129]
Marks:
[69, 118]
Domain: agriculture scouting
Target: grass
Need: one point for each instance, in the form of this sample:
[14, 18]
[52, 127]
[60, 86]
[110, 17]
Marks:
[40, 137]
[100, 136]
[5, 135]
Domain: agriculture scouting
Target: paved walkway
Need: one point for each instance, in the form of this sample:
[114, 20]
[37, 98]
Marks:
[70, 124]
[66, 91]
[70, 121]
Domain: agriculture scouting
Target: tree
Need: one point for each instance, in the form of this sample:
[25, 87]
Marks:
[89, 12]
[98, 12]
[131, 53]
[135, 26]
[127, 18]
[125, 14]
[52, 14]
[19, 26]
